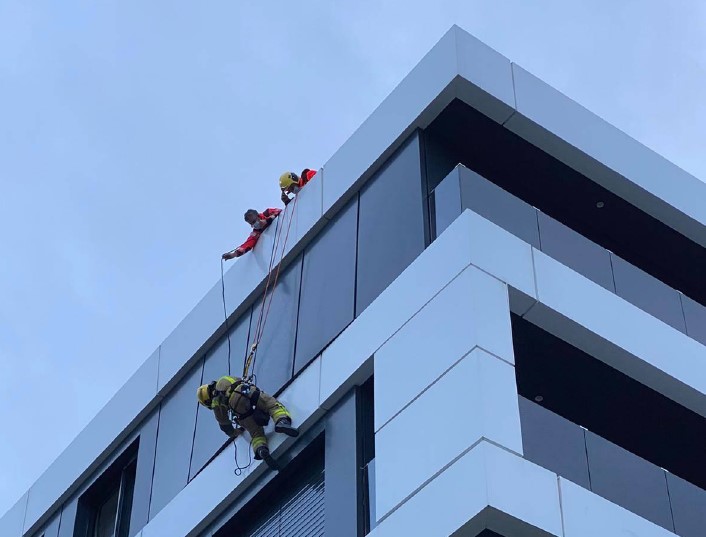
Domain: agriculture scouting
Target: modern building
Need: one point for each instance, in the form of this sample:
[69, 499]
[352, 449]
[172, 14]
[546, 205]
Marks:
[490, 320]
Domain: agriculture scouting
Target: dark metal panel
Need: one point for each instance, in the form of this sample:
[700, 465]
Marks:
[576, 251]
[499, 206]
[628, 480]
[52, 528]
[695, 315]
[175, 436]
[391, 223]
[648, 293]
[554, 442]
[342, 459]
[68, 519]
[275, 354]
[328, 285]
[688, 506]
[447, 201]
[209, 437]
[143, 478]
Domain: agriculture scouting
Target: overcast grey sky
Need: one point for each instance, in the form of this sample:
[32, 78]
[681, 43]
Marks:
[134, 134]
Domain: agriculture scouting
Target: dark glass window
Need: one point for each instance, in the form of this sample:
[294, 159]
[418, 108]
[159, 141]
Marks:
[391, 223]
[177, 419]
[628, 480]
[275, 354]
[292, 504]
[554, 442]
[209, 437]
[107, 516]
[556, 189]
[609, 403]
[328, 285]
[104, 509]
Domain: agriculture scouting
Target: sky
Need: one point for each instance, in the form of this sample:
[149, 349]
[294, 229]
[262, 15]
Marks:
[133, 135]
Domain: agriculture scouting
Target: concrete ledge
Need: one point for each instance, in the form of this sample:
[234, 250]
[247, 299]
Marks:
[460, 66]
[472, 311]
[486, 487]
[480, 395]
[620, 334]
[568, 131]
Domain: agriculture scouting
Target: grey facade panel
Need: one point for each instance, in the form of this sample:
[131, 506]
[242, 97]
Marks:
[447, 201]
[175, 437]
[688, 506]
[695, 315]
[52, 528]
[275, 353]
[209, 437]
[499, 206]
[576, 251]
[554, 442]
[628, 480]
[139, 515]
[647, 293]
[391, 223]
[342, 469]
[68, 518]
[328, 285]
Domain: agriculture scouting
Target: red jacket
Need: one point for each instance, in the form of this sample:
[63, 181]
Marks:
[268, 215]
[306, 176]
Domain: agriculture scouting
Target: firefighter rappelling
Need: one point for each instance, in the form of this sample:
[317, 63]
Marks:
[237, 403]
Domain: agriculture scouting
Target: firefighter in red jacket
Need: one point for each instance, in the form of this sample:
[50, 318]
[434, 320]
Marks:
[259, 223]
[291, 183]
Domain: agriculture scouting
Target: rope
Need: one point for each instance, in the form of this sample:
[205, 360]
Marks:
[225, 312]
[239, 469]
[256, 340]
[274, 288]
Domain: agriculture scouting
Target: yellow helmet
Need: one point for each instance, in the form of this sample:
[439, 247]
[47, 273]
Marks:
[287, 179]
[203, 394]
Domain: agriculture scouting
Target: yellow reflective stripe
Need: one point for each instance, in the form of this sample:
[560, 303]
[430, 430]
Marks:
[258, 441]
[281, 412]
[229, 379]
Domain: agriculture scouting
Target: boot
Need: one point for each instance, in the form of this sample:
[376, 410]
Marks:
[263, 453]
[284, 425]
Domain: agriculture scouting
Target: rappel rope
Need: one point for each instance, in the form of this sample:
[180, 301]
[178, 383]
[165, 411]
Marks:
[225, 312]
[239, 469]
[253, 348]
[266, 304]
[251, 358]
